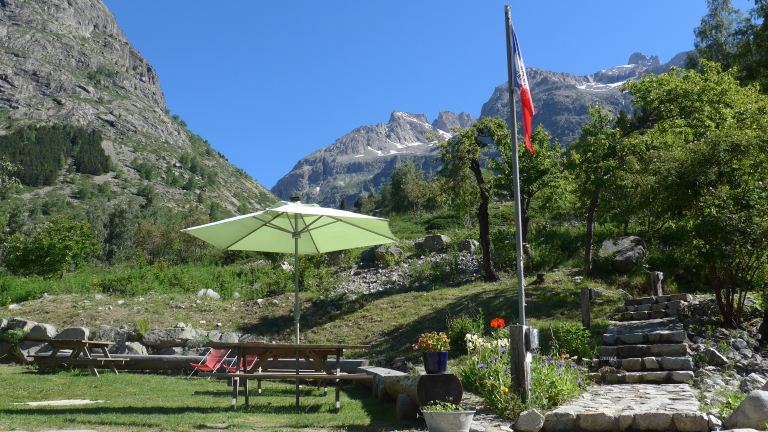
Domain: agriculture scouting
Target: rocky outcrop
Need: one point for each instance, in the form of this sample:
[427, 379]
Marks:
[67, 61]
[622, 253]
[360, 161]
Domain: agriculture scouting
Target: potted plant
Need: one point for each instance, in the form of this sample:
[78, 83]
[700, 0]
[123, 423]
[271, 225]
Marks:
[446, 417]
[434, 348]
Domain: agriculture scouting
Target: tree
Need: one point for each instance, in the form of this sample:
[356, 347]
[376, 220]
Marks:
[53, 248]
[540, 173]
[8, 182]
[343, 205]
[596, 159]
[463, 156]
[359, 202]
[408, 190]
[710, 169]
[719, 35]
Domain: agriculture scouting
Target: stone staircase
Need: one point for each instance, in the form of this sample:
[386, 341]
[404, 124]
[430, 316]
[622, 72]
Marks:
[648, 344]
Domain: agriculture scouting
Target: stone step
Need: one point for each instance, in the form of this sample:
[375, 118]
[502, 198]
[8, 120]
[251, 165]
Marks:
[659, 299]
[646, 315]
[639, 351]
[660, 336]
[653, 364]
[677, 304]
[648, 377]
[623, 407]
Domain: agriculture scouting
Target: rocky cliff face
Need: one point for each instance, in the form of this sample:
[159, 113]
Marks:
[361, 160]
[562, 100]
[67, 61]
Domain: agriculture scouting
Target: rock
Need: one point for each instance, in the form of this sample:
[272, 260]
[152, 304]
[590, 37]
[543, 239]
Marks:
[623, 253]
[165, 338]
[175, 350]
[383, 252]
[235, 295]
[625, 295]
[765, 387]
[283, 266]
[368, 255]
[20, 324]
[3, 324]
[691, 422]
[681, 376]
[45, 296]
[657, 421]
[560, 420]
[6, 352]
[119, 337]
[599, 421]
[208, 293]
[436, 242]
[349, 297]
[76, 333]
[739, 344]
[98, 297]
[41, 332]
[468, 245]
[228, 337]
[751, 413]
[753, 381]
[676, 363]
[132, 348]
[632, 364]
[714, 422]
[577, 279]
[14, 306]
[529, 421]
[714, 358]
[27, 349]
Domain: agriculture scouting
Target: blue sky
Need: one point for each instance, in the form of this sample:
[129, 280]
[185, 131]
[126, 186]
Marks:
[269, 82]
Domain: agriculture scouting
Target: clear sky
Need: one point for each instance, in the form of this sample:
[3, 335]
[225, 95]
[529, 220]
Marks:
[268, 82]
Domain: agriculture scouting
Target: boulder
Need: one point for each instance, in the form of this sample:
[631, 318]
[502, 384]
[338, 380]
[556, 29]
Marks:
[754, 381]
[228, 337]
[132, 348]
[6, 352]
[751, 413]
[26, 349]
[41, 332]
[171, 337]
[383, 252]
[598, 421]
[76, 333]
[209, 293]
[334, 259]
[283, 266]
[529, 421]
[468, 245]
[436, 242]
[652, 421]
[368, 255]
[20, 324]
[115, 335]
[3, 324]
[623, 253]
[714, 358]
[691, 422]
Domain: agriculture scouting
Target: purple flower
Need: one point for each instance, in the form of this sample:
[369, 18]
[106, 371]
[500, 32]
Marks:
[506, 370]
[476, 377]
[573, 365]
[493, 359]
[481, 365]
[747, 389]
[560, 373]
[560, 363]
[549, 358]
[581, 383]
[552, 362]
[503, 350]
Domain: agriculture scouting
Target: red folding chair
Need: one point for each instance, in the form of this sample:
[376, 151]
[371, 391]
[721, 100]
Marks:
[249, 361]
[213, 360]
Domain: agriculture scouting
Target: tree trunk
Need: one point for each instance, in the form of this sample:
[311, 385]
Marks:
[489, 274]
[525, 203]
[590, 231]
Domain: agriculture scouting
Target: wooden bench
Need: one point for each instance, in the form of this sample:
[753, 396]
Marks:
[79, 347]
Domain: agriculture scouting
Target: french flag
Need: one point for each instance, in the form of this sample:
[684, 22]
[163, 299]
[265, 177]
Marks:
[521, 82]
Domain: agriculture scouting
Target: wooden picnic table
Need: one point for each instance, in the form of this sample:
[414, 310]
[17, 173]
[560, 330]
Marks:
[85, 348]
[267, 355]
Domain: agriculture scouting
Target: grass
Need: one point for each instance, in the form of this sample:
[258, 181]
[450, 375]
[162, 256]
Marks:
[144, 402]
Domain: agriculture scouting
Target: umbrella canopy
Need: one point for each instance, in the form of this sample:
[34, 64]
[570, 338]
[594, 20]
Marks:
[299, 228]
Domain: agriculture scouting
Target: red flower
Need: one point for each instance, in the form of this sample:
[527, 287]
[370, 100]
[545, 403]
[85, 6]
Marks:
[498, 323]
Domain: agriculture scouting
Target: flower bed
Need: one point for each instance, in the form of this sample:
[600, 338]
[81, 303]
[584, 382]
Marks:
[554, 378]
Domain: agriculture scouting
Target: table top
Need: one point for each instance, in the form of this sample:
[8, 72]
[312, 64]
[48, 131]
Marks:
[78, 342]
[283, 346]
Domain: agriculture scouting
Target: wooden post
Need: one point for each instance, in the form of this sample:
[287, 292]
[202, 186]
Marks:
[586, 316]
[656, 278]
[520, 364]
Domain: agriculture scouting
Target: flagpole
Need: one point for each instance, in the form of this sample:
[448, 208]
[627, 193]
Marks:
[515, 170]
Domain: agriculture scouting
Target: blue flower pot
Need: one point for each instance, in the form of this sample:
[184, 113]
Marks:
[436, 362]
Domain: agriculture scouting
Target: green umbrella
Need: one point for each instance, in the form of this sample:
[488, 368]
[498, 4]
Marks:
[299, 228]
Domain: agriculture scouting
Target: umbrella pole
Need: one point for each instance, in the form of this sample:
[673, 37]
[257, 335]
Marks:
[296, 311]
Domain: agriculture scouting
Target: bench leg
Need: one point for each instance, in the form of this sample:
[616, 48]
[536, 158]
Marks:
[338, 390]
[235, 386]
[93, 370]
[259, 384]
[247, 398]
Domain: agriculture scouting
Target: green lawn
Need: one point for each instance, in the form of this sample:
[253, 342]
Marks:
[148, 402]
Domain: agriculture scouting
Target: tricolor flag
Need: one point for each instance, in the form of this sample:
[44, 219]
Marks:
[521, 82]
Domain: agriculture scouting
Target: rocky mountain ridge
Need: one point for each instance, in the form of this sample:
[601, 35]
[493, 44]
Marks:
[360, 161]
[67, 61]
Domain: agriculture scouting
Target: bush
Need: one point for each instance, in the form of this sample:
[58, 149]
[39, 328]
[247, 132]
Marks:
[573, 339]
[459, 327]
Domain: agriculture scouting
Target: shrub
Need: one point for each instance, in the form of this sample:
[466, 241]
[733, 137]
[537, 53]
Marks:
[460, 326]
[573, 339]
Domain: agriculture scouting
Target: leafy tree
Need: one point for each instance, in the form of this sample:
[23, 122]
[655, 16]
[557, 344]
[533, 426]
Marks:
[464, 155]
[408, 190]
[8, 182]
[119, 229]
[719, 35]
[540, 173]
[359, 202]
[52, 249]
[343, 205]
[710, 169]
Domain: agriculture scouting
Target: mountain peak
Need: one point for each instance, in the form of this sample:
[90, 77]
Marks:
[400, 115]
[643, 60]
